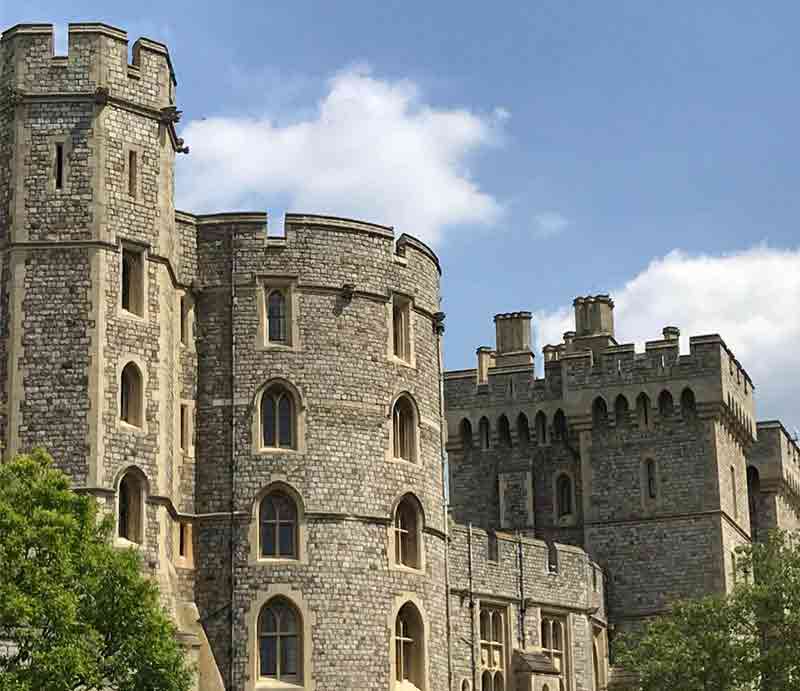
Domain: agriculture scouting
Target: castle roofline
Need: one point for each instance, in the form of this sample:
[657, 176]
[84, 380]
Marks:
[711, 339]
[777, 424]
[340, 222]
[95, 28]
[406, 240]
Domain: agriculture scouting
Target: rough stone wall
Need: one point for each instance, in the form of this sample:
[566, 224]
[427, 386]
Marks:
[520, 580]
[346, 381]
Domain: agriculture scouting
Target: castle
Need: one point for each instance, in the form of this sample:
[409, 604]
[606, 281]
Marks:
[268, 420]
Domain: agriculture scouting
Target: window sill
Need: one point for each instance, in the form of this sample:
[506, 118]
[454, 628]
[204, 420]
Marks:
[568, 521]
[279, 347]
[124, 543]
[132, 316]
[402, 568]
[396, 459]
[270, 684]
[184, 563]
[274, 451]
[128, 427]
[400, 362]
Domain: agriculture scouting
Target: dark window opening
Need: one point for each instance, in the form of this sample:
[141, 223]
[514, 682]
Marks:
[59, 166]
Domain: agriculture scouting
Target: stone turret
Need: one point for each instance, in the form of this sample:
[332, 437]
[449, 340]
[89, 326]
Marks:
[513, 339]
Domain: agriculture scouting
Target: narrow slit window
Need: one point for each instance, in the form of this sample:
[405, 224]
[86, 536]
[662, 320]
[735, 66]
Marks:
[182, 540]
[132, 288]
[184, 431]
[59, 166]
[133, 173]
[401, 328]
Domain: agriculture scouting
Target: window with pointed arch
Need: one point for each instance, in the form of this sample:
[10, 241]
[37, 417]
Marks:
[130, 506]
[503, 431]
[540, 422]
[523, 431]
[465, 432]
[665, 404]
[560, 425]
[599, 413]
[131, 396]
[483, 433]
[408, 534]
[621, 410]
[404, 423]
[277, 526]
[277, 316]
[643, 411]
[278, 419]
[553, 642]
[493, 648]
[564, 502]
[688, 405]
[280, 642]
[409, 641]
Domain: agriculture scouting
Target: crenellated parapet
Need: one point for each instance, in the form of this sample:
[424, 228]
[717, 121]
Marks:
[96, 65]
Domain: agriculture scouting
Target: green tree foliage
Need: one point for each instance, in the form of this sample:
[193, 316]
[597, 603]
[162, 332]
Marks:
[80, 612]
[748, 639]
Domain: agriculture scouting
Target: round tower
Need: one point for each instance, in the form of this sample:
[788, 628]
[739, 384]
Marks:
[321, 534]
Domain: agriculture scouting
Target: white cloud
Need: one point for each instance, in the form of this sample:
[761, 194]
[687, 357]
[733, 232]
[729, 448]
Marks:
[549, 224]
[751, 298]
[372, 149]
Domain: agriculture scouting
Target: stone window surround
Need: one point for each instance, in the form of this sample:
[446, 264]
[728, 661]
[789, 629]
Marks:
[66, 142]
[288, 285]
[188, 432]
[307, 623]
[648, 503]
[570, 519]
[566, 619]
[127, 149]
[299, 420]
[189, 318]
[143, 251]
[504, 609]
[399, 601]
[407, 304]
[144, 484]
[391, 536]
[416, 427]
[124, 360]
[187, 560]
[277, 482]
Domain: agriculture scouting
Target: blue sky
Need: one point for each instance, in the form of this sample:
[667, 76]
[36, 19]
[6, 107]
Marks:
[546, 149]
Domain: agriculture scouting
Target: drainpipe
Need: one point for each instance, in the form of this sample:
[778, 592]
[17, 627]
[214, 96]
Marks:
[471, 607]
[439, 328]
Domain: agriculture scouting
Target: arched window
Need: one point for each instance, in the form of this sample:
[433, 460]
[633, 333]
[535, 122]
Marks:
[564, 495]
[409, 639]
[483, 432]
[688, 404]
[131, 404]
[523, 431]
[503, 431]
[650, 480]
[276, 317]
[599, 413]
[280, 642]
[277, 518]
[560, 425]
[131, 505]
[621, 411]
[493, 653]
[408, 533]
[643, 411]
[278, 423]
[665, 404]
[753, 490]
[540, 422]
[465, 685]
[465, 431]
[404, 429]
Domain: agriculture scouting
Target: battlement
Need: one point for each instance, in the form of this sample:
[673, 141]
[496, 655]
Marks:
[298, 226]
[554, 572]
[96, 65]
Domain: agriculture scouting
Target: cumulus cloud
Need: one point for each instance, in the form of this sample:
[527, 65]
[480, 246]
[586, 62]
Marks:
[371, 149]
[750, 298]
[549, 224]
